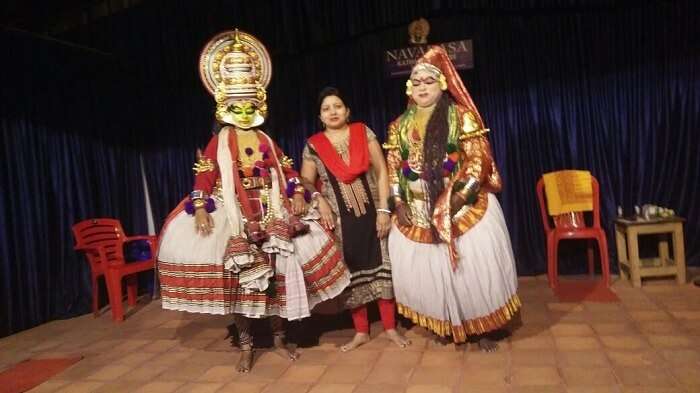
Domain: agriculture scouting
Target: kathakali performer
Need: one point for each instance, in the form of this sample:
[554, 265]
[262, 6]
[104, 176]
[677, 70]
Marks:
[235, 246]
[452, 261]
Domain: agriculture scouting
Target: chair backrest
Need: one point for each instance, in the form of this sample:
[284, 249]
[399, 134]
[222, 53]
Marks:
[105, 232]
[543, 204]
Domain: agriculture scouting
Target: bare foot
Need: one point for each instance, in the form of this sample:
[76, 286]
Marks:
[487, 345]
[245, 362]
[359, 339]
[397, 338]
[283, 350]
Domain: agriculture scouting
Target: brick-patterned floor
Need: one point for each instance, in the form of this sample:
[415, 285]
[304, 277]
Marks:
[650, 342]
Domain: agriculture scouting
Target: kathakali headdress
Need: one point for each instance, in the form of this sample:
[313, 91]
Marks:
[235, 68]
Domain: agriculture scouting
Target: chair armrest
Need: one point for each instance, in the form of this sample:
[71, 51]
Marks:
[100, 250]
[144, 237]
[83, 247]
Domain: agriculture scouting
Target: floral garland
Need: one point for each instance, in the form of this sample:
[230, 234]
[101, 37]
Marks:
[448, 165]
[260, 167]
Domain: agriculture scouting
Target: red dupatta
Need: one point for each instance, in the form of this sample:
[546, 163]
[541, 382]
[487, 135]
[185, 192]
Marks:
[358, 149]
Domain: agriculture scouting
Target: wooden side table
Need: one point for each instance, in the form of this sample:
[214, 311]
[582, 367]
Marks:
[627, 240]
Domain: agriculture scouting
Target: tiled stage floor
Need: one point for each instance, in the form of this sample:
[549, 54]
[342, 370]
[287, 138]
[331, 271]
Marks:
[649, 342]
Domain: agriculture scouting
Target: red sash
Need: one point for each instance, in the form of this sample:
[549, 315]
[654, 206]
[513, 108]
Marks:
[359, 154]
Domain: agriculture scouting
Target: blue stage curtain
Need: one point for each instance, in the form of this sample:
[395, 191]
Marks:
[66, 158]
[609, 86]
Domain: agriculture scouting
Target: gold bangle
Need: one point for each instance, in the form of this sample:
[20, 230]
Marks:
[198, 203]
[464, 192]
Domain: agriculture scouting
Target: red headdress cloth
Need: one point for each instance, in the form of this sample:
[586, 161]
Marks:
[438, 57]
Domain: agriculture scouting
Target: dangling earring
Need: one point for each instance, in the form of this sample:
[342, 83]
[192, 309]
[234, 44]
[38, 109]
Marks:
[409, 87]
[443, 82]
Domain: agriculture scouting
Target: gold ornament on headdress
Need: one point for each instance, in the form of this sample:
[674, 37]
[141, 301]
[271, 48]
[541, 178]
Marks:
[409, 87]
[427, 67]
[443, 82]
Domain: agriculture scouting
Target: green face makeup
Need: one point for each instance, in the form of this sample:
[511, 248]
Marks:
[241, 114]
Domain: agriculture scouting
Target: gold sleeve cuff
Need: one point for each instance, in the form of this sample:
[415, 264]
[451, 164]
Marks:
[470, 187]
[392, 141]
[389, 146]
[471, 126]
[473, 133]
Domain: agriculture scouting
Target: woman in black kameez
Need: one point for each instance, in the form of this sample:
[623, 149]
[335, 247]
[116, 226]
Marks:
[348, 163]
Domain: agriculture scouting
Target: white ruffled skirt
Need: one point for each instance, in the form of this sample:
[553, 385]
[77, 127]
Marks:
[194, 279]
[479, 296]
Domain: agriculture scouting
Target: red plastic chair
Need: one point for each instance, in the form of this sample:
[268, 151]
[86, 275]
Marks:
[558, 230]
[102, 240]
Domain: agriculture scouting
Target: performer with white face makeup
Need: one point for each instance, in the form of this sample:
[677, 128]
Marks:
[452, 262]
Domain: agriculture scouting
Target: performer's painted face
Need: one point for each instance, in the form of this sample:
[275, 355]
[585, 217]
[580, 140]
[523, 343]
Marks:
[426, 88]
[334, 114]
[242, 114]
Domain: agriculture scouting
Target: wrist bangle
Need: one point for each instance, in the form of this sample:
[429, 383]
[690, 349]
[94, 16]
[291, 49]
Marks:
[395, 190]
[294, 186]
[207, 204]
[387, 211]
[315, 195]
[471, 186]
[197, 194]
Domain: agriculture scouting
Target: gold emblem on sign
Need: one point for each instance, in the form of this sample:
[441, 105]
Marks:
[418, 31]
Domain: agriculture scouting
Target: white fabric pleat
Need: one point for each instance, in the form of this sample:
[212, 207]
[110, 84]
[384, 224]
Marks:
[483, 282]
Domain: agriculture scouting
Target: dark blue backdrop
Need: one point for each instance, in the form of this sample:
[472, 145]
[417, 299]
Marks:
[610, 86]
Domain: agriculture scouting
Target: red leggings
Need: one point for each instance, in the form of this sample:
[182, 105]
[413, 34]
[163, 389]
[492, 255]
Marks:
[386, 312]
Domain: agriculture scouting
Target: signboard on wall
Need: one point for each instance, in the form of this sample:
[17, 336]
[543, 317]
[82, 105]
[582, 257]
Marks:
[398, 62]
